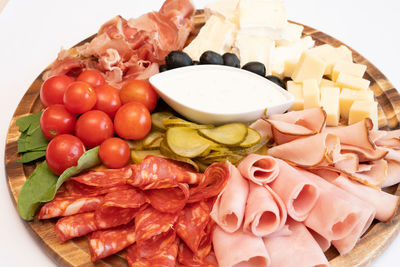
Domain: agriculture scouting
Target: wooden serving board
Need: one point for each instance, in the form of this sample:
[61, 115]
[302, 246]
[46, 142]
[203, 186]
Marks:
[76, 253]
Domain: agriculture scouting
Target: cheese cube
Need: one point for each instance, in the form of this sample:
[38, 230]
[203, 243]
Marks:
[351, 68]
[262, 13]
[226, 9]
[216, 35]
[255, 48]
[290, 33]
[364, 109]
[309, 67]
[311, 93]
[347, 98]
[330, 103]
[345, 80]
[297, 91]
[326, 82]
[330, 55]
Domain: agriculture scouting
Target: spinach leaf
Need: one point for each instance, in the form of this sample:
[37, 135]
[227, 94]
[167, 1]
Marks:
[31, 156]
[24, 123]
[42, 185]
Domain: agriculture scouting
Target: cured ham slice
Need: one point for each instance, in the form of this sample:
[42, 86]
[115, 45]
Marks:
[365, 154]
[105, 178]
[166, 258]
[169, 200]
[66, 206]
[239, 249]
[284, 132]
[74, 226]
[154, 231]
[107, 242]
[393, 174]
[156, 173]
[296, 249]
[259, 169]
[228, 209]
[309, 151]
[265, 212]
[119, 208]
[390, 139]
[295, 190]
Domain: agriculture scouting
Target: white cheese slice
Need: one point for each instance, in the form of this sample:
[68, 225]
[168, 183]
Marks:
[226, 9]
[290, 33]
[216, 35]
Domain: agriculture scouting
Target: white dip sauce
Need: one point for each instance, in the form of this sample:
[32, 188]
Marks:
[220, 89]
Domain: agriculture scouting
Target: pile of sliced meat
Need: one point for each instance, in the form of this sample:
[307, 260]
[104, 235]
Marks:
[159, 210]
[130, 49]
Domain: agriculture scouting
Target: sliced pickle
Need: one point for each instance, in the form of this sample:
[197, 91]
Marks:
[262, 150]
[178, 122]
[166, 151]
[151, 138]
[151, 141]
[135, 144]
[230, 134]
[157, 120]
[248, 150]
[138, 155]
[186, 142]
[252, 138]
[221, 157]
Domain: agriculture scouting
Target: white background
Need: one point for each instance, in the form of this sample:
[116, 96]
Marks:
[32, 32]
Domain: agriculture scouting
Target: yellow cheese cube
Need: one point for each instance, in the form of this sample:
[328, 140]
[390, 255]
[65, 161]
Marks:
[309, 67]
[345, 80]
[330, 103]
[351, 68]
[347, 98]
[289, 67]
[330, 55]
[296, 89]
[311, 93]
[364, 109]
[326, 82]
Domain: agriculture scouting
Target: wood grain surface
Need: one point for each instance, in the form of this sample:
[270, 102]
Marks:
[76, 253]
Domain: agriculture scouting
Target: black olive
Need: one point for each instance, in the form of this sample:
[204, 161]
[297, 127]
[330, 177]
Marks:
[210, 57]
[231, 60]
[163, 68]
[276, 80]
[195, 62]
[177, 59]
[256, 67]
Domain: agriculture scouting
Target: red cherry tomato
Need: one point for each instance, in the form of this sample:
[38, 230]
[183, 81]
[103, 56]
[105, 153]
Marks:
[52, 90]
[79, 97]
[93, 127]
[92, 77]
[107, 99]
[56, 120]
[132, 121]
[63, 152]
[114, 153]
[140, 91]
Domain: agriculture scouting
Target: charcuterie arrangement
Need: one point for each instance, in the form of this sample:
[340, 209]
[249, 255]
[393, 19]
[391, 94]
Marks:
[117, 164]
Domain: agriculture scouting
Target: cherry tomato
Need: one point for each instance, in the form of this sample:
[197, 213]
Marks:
[63, 152]
[92, 77]
[52, 90]
[140, 91]
[132, 121]
[56, 120]
[114, 153]
[79, 97]
[107, 99]
[93, 127]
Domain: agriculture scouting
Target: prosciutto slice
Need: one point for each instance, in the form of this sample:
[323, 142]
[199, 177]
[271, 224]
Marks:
[239, 249]
[228, 209]
[295, 249]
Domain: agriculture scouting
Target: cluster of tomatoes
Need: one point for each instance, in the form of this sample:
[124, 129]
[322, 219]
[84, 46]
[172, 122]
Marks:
[87, 112]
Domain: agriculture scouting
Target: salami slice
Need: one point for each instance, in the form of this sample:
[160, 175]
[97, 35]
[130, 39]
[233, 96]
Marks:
[74, 188]
[69, 206]
[167, 258]
[187, 258]
[216, 177]
[169, 200]
[105, 178]
[107, 242]
[155, 173]
[119, 208]
[154, 231]
[74, 226]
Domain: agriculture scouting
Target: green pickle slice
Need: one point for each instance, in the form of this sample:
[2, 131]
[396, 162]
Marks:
[230, 134]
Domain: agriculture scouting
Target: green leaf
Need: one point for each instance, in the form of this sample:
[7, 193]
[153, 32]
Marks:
[35, 140]
[31, 156]
[25, 122]
[42, 185]
[22, 143]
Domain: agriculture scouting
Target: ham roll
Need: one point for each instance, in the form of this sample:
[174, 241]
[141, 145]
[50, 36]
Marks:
[259, 169]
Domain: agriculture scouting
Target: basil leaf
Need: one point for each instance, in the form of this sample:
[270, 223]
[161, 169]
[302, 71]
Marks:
[31, 156]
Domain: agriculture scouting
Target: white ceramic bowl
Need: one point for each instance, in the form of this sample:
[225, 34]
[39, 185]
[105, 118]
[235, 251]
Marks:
[220, 94]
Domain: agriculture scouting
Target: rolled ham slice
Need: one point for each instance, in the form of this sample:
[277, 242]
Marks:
[259, 169]
[239, 249]
[297, 249]
[228, 209]
[295, 190]
[323, 243]
[284, 132]
[265, 212]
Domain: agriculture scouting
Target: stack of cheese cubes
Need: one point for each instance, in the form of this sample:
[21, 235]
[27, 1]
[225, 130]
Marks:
[345, 95]
[255, 30]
